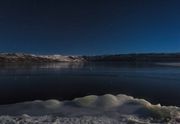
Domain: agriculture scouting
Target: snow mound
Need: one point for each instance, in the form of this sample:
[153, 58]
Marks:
[92, 109]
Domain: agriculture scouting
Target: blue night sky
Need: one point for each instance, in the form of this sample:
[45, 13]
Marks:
[89, 27]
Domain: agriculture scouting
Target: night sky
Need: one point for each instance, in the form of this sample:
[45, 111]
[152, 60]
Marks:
[89, 27]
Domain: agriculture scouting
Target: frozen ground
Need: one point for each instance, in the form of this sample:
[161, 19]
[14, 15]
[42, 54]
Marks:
[106, 109]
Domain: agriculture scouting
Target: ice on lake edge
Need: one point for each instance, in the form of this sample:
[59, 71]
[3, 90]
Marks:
[106, 109]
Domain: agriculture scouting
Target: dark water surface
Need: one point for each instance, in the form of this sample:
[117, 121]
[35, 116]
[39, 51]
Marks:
[65, 81]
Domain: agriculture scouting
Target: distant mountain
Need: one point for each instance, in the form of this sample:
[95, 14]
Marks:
[143, 57]
[30, 58]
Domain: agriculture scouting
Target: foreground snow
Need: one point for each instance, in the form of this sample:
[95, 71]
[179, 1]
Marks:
[25, 119]
[106, 109]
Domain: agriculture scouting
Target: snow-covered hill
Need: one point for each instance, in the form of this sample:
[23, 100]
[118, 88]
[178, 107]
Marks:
[148, 57]
[30, 58]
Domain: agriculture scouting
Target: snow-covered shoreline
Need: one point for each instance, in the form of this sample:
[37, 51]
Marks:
[105, 109]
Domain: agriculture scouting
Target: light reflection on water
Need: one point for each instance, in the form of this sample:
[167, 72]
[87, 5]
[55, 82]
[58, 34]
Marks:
[63, 81]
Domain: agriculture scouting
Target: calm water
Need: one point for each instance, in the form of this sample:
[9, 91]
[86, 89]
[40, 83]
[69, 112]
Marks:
[155, 83]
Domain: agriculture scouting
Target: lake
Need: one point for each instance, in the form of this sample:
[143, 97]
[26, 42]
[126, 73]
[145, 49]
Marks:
[65, 81]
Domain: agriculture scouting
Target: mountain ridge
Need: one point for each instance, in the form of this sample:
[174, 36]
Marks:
[134, 57]
[28, 58]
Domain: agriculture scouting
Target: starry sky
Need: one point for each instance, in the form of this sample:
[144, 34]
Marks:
[89, 27]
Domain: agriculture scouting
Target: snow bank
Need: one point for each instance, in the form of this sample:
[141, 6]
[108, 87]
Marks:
[106, 109]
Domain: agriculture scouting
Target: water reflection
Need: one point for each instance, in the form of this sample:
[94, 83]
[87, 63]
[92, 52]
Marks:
[61, 65]
[69, 80]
